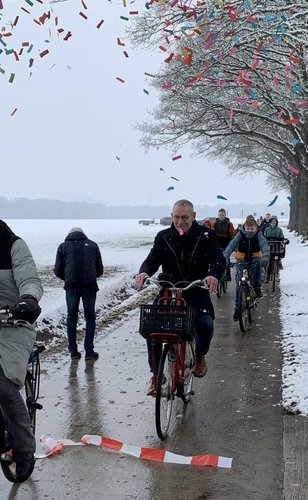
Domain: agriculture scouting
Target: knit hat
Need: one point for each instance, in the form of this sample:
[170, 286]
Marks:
[76, 230]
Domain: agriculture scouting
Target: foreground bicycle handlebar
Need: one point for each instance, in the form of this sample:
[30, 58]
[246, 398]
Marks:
[173, 286]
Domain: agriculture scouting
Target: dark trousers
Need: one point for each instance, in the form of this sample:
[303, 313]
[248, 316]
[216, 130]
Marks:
[17, 420]
[204, 325]
[88, 297]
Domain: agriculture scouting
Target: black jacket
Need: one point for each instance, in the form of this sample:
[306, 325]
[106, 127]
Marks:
[194, 255]
[78, 262]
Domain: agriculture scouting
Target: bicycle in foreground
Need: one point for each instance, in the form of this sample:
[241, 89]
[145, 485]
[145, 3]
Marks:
[278, 252]
[32, 388]
[170, 323]
[246, 300]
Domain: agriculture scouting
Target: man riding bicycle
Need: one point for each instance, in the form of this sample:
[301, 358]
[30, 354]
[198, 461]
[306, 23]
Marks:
[224, 230]
[251, 251]
[186, 251]
[20, 289]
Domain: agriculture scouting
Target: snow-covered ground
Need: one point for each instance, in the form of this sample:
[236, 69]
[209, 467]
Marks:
[124, 244]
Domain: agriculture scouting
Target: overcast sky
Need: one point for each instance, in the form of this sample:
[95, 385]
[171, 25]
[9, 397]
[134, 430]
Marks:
[74, 119]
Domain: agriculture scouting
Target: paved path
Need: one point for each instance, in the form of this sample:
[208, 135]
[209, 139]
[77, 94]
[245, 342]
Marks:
[236, 412]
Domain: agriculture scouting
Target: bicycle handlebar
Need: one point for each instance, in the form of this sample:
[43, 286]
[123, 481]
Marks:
[9, 318]
[173, 286]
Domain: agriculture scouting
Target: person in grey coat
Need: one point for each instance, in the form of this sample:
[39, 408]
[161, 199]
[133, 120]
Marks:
[79, 264]
[20, 290]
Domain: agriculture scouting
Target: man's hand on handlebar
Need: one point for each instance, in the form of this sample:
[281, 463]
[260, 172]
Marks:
[211, 283]
[140, 279]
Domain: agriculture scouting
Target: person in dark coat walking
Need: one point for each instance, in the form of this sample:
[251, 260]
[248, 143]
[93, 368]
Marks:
[188, 251]
[79, 264]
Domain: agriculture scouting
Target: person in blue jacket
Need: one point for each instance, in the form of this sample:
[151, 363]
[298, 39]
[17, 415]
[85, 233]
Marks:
[251, 250]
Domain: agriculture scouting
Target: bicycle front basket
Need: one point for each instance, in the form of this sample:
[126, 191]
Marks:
[167, 319]
[277, 248]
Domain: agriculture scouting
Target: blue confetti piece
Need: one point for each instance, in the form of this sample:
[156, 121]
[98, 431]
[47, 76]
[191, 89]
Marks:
[146, 91]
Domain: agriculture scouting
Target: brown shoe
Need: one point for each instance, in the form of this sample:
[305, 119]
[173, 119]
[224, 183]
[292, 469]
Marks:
[151, 389]
[200, 368]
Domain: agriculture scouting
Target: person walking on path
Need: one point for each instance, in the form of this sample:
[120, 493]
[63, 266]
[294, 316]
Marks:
[79, 264]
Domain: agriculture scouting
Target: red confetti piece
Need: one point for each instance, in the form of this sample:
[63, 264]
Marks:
[16, 55]
[120, 79]
[15, 20]
[25, 44]
[169, 58]
[100, 23]
[6, 34]
[82, 14]
[13, 112]
[60, 30]
[1, 4]
[84, 5]
[162, 48]
[178, 157]
[21, 51]
[291, 121]
[167, 86]
[56, 20]
[133, 12]
[67, 36]
[44, 53]
[120, 43]
[125, 53]
[302, 105]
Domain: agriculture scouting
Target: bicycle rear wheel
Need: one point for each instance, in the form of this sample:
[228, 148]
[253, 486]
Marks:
[190, 361]
[274, 275]
[165, 393]
[242, 308]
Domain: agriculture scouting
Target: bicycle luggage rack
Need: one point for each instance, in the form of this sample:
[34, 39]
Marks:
[167, 319]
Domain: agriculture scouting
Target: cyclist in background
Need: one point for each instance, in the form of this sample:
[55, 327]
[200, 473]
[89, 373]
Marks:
[265, 222]
[20, 289]
[251, 248]
[273, 232]
[224, 231]
[186, 250]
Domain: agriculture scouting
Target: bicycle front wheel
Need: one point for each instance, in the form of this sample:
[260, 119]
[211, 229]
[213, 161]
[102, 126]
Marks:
[165, 392]
[7, 465]
[242, 308]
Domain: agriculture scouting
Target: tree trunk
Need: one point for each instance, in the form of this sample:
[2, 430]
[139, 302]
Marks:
[302, 204]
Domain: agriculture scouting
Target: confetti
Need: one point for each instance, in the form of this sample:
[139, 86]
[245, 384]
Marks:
[175, 178]
[178, 157]
[44, 53]
[120, 79]
[124, 18]
[293, 169]
[125, 53]
[146, 91]
[120, 43]
[82, 14]
[100, 24]
[11, 79]
[273, 201]
[170, 188]
[13, 112]
[220, 197]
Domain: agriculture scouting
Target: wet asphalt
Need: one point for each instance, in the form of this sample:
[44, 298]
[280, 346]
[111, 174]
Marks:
[236, 412]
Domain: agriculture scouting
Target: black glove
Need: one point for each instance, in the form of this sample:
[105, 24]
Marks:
[27, 309]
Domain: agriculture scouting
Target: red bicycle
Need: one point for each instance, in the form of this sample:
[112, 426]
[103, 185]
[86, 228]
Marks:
[170, 322]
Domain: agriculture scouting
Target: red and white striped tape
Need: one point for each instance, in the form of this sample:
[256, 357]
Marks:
[53, 446]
